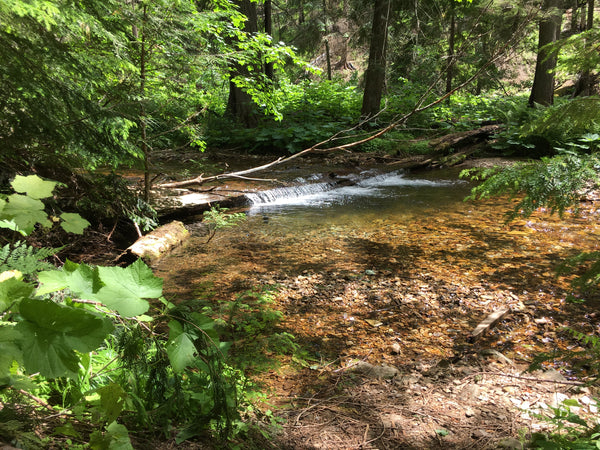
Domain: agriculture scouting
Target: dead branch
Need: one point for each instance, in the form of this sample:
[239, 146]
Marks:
[534, 379]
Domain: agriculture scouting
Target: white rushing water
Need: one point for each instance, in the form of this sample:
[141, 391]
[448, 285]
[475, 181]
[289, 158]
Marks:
[323, 194]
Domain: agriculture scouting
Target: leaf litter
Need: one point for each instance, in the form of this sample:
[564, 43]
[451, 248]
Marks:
[384, 314]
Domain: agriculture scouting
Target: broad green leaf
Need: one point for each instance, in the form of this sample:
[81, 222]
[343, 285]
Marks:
[126, 288]
[9, 351]
[33, 186]
[25, 212]
[99, 441]
[73, 223]
[81, 279]
[180, 348]
[112, 400]
[8, 274]
[13, 290]
[51, 333]
[119, 437]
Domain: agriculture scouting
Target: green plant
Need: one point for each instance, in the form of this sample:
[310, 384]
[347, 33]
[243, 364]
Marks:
[217, 219]
[251, 325]
[80, 338]
[570, 430]
[555, 183]
[23, 210]
[24, 258]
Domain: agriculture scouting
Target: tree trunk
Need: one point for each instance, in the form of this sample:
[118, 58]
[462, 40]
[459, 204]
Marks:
[328, 59]
[269, 70]
[301, 12]
[584, 84]
[143, 119]
[451, 37]
[240, 104]
[542, 91]
[574, 23]
[375, 75]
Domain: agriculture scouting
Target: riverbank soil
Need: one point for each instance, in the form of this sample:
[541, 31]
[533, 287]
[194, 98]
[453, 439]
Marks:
[383, 317]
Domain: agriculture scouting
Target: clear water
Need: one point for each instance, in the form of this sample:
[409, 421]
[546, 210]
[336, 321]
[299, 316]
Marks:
[378, 195]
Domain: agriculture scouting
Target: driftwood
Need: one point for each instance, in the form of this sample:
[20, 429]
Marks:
[489, 322]
[184, 212]
[155, 243]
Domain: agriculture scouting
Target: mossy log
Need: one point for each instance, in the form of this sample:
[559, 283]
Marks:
[156, 243]
[456, 141]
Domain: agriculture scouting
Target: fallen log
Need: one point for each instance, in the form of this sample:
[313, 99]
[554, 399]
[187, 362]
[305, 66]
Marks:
[463, 138]
[157, 242]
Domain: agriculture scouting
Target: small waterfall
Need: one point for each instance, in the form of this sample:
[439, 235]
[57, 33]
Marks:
[326, 191]
[291, 192]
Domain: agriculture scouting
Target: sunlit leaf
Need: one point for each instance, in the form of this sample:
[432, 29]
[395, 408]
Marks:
[33, 186]
[180, 348]
[127, 288]
[73, 223]
[81, 279]
[25, 212]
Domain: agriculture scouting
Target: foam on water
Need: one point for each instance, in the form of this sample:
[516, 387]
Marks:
[323, 194]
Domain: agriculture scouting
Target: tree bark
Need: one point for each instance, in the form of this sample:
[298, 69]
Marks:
[574, 22]
[375, 74]
[583, 86]
[542, 91]
[240, 104]
[450, 66]
[269, 69]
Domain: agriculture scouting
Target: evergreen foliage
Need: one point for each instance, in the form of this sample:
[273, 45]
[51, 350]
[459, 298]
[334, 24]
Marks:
[25, 258]
[555, 183]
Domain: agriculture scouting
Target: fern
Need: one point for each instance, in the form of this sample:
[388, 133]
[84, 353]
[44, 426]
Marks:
[25, 258]
[555, 183]
[589, 262]
[566, 121]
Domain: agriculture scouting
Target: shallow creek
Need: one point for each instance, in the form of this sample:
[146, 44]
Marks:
[394, 261]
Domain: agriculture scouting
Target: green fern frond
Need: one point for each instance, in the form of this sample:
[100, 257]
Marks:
[25, 258]
[566, 121]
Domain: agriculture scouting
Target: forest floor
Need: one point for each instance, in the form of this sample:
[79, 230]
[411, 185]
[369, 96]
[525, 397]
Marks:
[384, 326]
[386, 357]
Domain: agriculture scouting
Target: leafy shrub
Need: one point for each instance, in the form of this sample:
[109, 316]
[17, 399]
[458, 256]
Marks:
[310, 112]
[570, 431]
[81, 337]
[570, 125]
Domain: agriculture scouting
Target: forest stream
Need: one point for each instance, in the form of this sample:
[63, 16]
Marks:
[381, 283]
